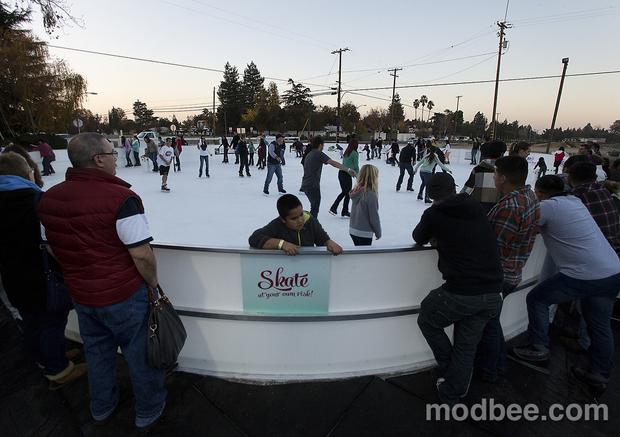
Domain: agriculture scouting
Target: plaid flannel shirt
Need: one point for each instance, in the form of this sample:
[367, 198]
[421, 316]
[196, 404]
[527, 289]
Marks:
[599, 202]
[514, 219]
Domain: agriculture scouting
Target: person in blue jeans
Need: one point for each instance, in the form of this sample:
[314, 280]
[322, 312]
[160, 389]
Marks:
[274, 165]
[102, 244]
[588, 269]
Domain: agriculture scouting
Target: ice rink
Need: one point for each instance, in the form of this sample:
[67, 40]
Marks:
[222, 211]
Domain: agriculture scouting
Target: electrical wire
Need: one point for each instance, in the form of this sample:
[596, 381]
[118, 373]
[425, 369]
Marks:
[473, 82]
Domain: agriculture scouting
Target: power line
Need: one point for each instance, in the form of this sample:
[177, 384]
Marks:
[474, 82]
[172, 64]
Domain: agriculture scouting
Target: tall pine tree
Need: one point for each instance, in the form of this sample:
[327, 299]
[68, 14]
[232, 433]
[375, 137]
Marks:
[298, 105]
[230, 94]
[252, 84]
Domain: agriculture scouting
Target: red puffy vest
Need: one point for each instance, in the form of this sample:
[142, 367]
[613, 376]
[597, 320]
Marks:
[79, 216]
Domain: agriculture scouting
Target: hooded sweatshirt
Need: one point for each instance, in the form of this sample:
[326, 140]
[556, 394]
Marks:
[468, 254]
[312, 234]
[364, 214]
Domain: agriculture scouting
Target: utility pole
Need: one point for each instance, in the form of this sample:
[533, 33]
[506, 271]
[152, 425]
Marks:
[457, 110]
[557, 103]
[213, 112]
[339, 51]
[393, 70]
[502, 27]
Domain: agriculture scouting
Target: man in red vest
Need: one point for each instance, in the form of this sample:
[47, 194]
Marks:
[97, 229]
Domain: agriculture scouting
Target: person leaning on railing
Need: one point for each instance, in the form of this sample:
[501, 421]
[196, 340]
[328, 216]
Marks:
[292, 229]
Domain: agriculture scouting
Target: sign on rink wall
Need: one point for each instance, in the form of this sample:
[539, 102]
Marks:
[275, 284]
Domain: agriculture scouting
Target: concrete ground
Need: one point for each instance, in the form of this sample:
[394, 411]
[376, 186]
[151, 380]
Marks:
[366, 406]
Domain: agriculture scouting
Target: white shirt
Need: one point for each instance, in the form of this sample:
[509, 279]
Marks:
[574, 241]
[167, 152]
[204, 152]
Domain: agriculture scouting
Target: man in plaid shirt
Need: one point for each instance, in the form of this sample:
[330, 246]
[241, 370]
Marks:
[598, 200]
[514, 220]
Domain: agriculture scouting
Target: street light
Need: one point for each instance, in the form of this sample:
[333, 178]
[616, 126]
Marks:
[78, 122]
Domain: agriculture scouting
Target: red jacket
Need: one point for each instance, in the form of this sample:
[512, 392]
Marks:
[79, 216]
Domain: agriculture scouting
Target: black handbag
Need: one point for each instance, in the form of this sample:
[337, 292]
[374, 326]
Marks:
[166, 333]
[57, 294]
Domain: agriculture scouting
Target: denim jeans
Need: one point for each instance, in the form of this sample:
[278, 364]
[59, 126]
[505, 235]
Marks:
[153, 157]
[425, 176]
[136, 158]
[491, 352]
[346, 183]
[271, 169]
[597, 300]
[405, 167]
[103, 330]
[44, 335]
[205, 160]
[469, 315]
[361, 241]
[314, 196]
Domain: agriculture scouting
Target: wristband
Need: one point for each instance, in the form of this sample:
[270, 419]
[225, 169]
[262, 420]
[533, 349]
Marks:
[280, 244]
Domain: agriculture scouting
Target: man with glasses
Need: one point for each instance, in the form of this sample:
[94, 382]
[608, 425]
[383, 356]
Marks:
[98, 231]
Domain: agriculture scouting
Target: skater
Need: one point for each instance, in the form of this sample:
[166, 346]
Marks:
[379, 148]
[407, 155]
[178, 149]
[225, 146]
[242, 154]
[370, 149]
[151, 151]
[293, 228]
[234, 143]
[558, 157]
[367, 150]
[47, 154]
[421, 148]
[447, 148]
[126, 144]
[394, 149]
[274, 165]
[135, 147]
[349, 161]
[204, 157]
[313, 166]
[299, 148]
[542, 167]
[251, 151]
[426, 166]
[475, 147]
[262, 153]
[164, 159]
[365, 207]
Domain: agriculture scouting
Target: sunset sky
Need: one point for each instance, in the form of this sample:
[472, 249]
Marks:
[288, 39]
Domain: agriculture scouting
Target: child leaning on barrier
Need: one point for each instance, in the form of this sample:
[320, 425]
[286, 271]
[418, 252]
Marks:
[293, 228]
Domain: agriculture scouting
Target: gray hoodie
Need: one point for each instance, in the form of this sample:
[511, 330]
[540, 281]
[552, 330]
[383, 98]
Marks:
[365, 214]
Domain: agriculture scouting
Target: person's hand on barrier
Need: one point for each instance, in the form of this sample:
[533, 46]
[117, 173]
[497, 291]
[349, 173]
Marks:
[290, 249]
[333, 247]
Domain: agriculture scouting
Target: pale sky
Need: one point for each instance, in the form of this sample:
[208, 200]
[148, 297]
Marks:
[294, 39]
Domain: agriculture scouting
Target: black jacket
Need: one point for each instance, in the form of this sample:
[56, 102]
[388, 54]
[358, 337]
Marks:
[468, 254]
[407, 154]
[21, 265]
[312, 234]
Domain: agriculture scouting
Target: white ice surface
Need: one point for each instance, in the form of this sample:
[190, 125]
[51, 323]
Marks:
[222, 211]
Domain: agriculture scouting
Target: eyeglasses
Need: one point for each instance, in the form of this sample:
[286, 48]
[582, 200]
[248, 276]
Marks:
[114, 153]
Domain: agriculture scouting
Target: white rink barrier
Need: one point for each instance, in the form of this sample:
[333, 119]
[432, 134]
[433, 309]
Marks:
[369, 326]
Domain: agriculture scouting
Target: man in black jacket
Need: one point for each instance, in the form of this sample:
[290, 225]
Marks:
[470, 296]
[22, 270]
[293, 228]
[242, 153]
[407, 157]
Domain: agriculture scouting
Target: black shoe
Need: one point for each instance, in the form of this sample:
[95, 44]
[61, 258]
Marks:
[410, 189]
[240, 175]
[531, 352]
[282, 191]
[266, 192]
[428, 201]
[248, 174]
[419, 197]
[397, 188]
[345, 215]
[593, 384]
[208, 176]
[333, 211]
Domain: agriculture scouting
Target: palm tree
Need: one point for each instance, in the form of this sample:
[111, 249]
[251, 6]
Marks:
[429, 105]
[423, 100]
[416, 105]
